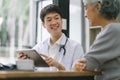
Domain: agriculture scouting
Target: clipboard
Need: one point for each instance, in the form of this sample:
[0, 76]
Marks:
[38, 60]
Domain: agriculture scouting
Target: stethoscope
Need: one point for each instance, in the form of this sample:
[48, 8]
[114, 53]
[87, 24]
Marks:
[63, 47]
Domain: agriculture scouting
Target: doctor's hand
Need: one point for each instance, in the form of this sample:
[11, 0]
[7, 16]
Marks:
[21, 55]
[52, 62]
[79, 65]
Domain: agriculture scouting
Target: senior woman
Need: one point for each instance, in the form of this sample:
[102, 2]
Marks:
[104, 53]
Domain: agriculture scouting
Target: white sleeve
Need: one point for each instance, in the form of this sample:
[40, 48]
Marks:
[38, 47]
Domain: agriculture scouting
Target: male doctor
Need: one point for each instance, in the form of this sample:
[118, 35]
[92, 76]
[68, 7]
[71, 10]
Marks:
[58, 50]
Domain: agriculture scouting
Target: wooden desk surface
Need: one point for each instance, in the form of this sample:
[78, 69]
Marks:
[31, 74]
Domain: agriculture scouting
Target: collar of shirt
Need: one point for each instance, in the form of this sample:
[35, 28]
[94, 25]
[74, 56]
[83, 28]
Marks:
[53, 49]
[60, 41]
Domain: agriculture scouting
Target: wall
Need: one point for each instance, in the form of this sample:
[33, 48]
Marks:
[75, 20]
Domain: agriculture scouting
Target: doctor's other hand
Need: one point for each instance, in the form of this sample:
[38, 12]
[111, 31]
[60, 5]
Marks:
[21, 55]
[52, 62]
[79, 65]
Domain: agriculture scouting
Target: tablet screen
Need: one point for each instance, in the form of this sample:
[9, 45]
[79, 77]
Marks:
[38, 60]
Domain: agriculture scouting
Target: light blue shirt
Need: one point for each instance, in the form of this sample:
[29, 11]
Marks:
[74, 51]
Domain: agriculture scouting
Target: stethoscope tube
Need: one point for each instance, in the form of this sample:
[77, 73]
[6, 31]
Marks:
[63, 47]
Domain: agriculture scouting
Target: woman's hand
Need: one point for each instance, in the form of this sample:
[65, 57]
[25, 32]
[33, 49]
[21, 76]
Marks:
[79, 65]
[51, 62]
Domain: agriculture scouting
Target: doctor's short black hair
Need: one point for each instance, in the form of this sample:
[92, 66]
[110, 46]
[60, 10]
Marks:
[51, 8]
[110, 9]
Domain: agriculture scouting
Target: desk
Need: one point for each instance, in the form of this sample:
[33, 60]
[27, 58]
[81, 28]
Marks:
[47, 75]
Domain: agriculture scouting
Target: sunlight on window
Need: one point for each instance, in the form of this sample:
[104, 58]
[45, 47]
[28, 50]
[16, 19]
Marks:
[42, 32]
[14, 20]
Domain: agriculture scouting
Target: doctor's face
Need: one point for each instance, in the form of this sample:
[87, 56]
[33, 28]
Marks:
[53, 23]
[92, 13]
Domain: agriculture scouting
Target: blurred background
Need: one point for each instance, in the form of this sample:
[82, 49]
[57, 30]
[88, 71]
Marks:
[14, 24]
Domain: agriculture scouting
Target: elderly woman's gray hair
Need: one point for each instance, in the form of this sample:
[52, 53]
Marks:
[109, 8]
[91, 1]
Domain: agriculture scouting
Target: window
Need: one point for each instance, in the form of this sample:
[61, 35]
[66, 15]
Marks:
[14, 28]
[42, 33]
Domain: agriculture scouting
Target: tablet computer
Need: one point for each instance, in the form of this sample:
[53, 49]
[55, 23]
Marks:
[38, 60]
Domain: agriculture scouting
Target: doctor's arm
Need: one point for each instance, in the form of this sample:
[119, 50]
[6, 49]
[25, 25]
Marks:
[51, 62]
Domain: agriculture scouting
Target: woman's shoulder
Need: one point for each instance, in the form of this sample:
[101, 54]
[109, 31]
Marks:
[114, 27]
